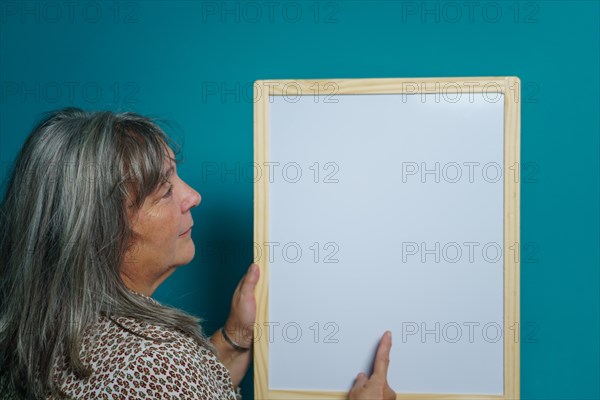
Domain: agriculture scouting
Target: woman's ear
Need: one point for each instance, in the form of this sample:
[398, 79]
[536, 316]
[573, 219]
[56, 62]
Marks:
[131, 254]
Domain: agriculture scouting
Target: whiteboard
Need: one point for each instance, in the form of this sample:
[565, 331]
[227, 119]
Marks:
[383, 211]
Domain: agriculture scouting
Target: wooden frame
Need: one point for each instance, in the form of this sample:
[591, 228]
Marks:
[510, 87]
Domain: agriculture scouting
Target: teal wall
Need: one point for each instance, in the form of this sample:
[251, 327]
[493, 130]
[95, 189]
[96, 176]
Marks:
[173, 59]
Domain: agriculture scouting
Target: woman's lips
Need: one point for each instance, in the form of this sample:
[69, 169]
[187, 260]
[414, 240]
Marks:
[186, 232]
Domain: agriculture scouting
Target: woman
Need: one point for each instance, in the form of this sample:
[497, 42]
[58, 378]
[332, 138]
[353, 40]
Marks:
[94, 219]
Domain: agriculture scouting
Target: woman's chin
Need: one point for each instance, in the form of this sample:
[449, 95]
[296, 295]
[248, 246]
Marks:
[187, 254]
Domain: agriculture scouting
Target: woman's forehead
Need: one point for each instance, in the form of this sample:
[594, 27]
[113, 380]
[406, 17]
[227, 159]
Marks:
[168, 161]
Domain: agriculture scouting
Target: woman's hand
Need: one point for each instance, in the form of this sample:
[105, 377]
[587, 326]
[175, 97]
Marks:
[242, 316]
[376, 387]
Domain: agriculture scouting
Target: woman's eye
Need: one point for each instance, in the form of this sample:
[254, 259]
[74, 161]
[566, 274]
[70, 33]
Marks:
[169, 192]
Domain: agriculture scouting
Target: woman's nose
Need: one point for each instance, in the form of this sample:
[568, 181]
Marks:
[196, 198]
[193, 199]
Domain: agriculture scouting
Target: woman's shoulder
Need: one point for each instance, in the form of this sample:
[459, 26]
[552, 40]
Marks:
[126, 359]
[130, 336]
[126, 336]
[135, 338]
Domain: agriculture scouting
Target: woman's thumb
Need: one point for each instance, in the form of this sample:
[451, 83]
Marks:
[253, 273]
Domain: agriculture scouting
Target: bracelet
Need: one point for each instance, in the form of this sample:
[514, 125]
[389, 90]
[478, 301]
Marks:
[232, 343]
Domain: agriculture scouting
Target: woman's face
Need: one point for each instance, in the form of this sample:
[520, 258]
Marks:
[164, 240]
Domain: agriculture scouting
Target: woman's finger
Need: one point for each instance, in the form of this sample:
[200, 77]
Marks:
[251, 278]
[360, 380]
[382, 358]
[246, 278]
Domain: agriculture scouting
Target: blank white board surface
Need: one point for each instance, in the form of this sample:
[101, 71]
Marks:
[386, 212]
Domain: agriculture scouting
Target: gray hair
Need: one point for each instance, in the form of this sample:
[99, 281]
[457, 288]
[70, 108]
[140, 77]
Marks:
[64, 232]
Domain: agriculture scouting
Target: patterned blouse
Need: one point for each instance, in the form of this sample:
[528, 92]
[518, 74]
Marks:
[127, 366]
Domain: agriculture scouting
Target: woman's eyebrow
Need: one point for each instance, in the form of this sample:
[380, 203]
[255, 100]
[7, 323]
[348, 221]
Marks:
[167, 176]
[170, 172]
